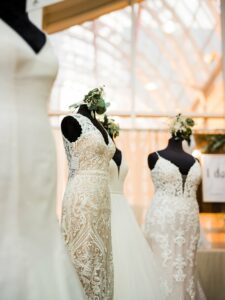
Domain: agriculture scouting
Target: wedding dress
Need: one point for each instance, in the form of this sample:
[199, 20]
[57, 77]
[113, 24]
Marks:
[86, 212]
[135, 274]
[172, 228]
[33, 259]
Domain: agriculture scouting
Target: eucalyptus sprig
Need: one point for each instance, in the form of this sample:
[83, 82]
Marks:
[94, 100]
[181, 128]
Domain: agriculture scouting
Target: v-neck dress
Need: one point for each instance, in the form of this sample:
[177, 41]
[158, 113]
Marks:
[172, 228]
[34, 263]
[86, 211]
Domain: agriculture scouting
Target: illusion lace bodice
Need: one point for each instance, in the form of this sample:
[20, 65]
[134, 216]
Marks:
[168, 179]
[117, 176]
[89, 153]
[86, 211]
[172, 227]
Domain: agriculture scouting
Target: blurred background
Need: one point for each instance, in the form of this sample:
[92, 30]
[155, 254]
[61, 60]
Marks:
[156, 58]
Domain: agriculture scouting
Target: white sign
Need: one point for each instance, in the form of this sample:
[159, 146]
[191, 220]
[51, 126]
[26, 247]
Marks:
[35, 4]
[213, 177]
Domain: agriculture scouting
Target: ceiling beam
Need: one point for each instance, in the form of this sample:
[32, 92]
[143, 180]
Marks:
[68, 13]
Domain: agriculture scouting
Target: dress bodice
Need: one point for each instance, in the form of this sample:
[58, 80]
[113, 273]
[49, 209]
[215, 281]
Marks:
[89, 153]
[25, 83]
[169, 181]
[27, 77]
[117, 176]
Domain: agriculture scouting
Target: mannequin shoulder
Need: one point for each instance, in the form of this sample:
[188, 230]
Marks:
[190, 158]
[152, 159]
[71, 128]
[69, 121]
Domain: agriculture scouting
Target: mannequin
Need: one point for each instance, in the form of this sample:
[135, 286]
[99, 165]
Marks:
[71, 129]
[175, 154]
[172, 225]
[13, 13]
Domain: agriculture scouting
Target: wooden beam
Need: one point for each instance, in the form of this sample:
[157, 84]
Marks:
[149, 116]
[68, 13]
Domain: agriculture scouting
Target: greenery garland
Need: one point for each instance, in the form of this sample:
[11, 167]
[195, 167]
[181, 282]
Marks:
[94, 100]
[111, 126]
[211, 143]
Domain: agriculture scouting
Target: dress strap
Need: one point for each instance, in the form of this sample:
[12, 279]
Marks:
[157, 154]
[85, 123]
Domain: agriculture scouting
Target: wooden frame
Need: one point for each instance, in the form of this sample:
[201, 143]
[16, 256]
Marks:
[67, 13]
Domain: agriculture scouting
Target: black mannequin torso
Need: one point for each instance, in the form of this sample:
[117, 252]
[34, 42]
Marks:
[118, 158]
[71, 128]
[13, 13]
[175, 154]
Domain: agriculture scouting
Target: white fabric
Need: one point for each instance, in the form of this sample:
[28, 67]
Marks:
[34, 263]
[172, 228]
[135, 275]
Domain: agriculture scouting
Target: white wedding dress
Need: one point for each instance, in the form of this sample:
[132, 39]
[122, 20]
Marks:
[34, 263]
[86, 211]
[135, 274]
[172, 228]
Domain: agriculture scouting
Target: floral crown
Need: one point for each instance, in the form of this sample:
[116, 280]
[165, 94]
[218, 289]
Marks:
[112, 128]
[94, 101]
[181, 128]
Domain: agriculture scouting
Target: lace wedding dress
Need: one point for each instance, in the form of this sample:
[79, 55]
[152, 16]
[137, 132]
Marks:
[172, 228]
[86, 212]
[135, 274]
[34, 261]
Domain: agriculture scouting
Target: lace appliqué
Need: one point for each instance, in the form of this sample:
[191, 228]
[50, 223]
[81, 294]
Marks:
[86, 215]
[172, 227]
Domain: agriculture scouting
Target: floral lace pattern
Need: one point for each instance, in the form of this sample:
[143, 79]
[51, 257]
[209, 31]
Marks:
[172, 227]
[86, 214]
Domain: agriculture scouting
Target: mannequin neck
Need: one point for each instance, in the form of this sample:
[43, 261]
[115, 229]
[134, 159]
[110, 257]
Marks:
[13, 13]
[83, 110]
[176, 145]
[13, 8]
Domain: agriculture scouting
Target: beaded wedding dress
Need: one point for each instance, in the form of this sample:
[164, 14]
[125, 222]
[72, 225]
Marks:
[135, 274]
[86, 211]
[34, 263]
[172, 228]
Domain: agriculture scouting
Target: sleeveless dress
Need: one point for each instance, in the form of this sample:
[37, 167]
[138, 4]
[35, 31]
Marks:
[135, 274]
[86, 211]
[172, 228]
[33, 259]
